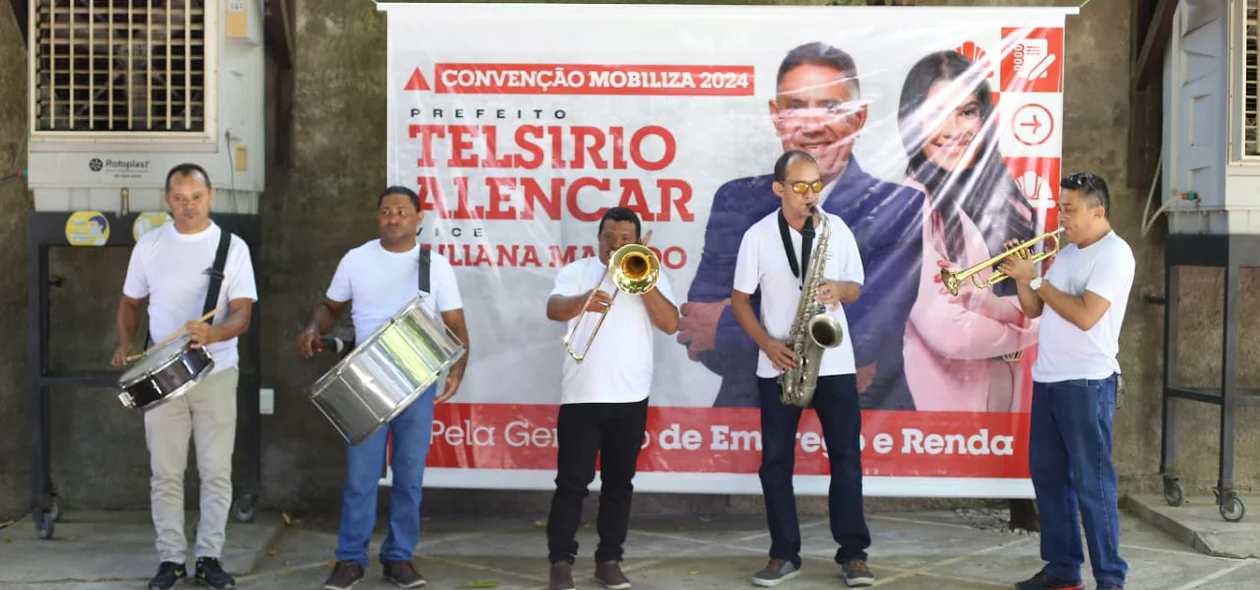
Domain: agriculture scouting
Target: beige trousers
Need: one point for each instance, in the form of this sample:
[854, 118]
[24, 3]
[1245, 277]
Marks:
[207, 414]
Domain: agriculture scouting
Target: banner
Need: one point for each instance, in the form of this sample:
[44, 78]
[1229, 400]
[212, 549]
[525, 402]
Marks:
[938, 133]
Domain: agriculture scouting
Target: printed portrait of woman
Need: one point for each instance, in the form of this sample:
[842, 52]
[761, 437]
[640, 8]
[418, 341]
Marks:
[961, 351]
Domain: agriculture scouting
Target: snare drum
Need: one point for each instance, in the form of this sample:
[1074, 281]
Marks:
[385, 373]
[165, 373]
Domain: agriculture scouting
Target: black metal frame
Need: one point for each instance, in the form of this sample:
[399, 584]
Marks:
[1233, 253]
[46, 230]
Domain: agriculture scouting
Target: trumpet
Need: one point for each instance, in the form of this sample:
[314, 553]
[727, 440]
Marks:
[635, 269]
[953, 278]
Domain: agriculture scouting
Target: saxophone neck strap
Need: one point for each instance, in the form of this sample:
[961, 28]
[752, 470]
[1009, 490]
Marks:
[807, 243]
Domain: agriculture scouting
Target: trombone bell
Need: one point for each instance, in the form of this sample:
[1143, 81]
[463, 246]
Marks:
[953, 279]
[634, 270]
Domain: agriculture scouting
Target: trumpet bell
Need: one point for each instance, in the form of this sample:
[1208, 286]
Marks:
[950, 279]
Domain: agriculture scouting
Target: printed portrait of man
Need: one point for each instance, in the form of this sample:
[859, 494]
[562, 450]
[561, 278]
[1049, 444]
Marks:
[818, 108]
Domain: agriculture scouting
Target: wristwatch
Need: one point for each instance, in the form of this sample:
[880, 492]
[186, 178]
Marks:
[1035, 283]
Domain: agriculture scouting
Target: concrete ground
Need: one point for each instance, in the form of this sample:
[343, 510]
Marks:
[940, 550]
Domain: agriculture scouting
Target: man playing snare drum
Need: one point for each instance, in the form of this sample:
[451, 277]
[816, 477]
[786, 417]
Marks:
[171, 267]
[381, 277]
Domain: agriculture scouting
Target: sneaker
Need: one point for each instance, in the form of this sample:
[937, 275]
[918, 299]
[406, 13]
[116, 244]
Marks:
[778, 570]
[856, 573]
[210, 573]
[561, 576]
[167, 575]
[344, 575]
[1110, 587]
[403, 574]
[609, 574]
[1044, 581]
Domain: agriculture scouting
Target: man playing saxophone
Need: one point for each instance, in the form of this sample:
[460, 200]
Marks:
[795, 273]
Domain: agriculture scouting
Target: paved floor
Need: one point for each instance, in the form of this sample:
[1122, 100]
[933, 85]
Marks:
[924, 550]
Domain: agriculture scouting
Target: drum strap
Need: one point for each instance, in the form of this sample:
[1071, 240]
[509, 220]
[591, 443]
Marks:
[216, 273]
[216, 277]
[424, 271]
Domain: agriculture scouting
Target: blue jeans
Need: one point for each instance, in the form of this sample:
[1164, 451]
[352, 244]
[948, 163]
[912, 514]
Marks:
[365, 465]
[1070, 460]
[839, 414]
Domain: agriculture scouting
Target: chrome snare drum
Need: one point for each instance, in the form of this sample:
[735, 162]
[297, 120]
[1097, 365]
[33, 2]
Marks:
[384, 374]
[165, 373]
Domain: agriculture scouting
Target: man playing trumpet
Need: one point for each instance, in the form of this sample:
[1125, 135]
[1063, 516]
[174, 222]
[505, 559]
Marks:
[603, 398]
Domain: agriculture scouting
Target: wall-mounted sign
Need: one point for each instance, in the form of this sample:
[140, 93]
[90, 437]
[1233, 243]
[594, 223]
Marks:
[147, 222]
[87, 228]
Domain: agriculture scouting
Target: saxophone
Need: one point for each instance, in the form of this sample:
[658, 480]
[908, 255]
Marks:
[813, 330]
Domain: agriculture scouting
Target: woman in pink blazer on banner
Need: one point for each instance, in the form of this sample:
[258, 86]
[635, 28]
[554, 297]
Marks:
[962, 352]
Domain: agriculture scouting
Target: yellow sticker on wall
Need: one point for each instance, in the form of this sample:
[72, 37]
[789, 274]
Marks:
[87, 228]
[147, 222]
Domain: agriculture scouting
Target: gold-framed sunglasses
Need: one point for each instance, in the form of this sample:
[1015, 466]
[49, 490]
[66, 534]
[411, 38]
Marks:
[799, 187]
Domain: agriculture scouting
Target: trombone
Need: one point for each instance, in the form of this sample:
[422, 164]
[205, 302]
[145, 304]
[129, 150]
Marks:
[953, 279]
[635, 270]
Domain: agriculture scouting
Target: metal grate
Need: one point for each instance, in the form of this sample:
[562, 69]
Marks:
[1251, 139]
[120, 65]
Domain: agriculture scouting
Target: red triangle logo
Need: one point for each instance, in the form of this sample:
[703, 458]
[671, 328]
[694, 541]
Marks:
[417, 82]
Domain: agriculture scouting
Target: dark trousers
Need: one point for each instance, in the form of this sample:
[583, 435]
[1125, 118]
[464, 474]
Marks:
[1070, 462]
[836, 401]
[614, 433]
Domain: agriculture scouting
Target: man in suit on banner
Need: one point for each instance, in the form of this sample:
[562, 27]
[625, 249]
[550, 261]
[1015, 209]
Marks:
[818, 110]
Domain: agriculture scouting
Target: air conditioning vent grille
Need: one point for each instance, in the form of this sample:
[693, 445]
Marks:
[120, 65]
[1251, 138]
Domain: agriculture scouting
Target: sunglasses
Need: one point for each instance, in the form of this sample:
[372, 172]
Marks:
[799, 187]
[1083, 180]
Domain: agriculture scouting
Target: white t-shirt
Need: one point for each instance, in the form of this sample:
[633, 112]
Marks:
[171, 269]
[1064, 351]
[763, 262]
[381, 282]
[618, 366]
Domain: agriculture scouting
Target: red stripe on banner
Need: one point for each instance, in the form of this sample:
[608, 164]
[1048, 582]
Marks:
[713, 440]
[594, 79]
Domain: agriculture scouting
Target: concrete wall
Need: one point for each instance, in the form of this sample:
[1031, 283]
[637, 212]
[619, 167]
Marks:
[99, 457]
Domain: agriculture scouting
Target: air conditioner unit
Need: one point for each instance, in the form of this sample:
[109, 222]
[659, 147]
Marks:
[121, 91]
[1211, 155]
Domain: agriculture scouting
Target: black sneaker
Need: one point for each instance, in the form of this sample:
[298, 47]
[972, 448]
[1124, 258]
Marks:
[610, 575]
[345, 574]
[561, 576]
[210, 573]
[167, 575]
[1110, 587]
[403, 574]
[1044, 581]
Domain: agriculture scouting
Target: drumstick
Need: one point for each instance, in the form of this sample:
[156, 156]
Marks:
[175, 335]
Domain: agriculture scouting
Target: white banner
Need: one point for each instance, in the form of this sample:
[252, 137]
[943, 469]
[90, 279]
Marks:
[519, 125]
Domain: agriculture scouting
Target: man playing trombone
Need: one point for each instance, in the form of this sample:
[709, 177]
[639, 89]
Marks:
[605, 387]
